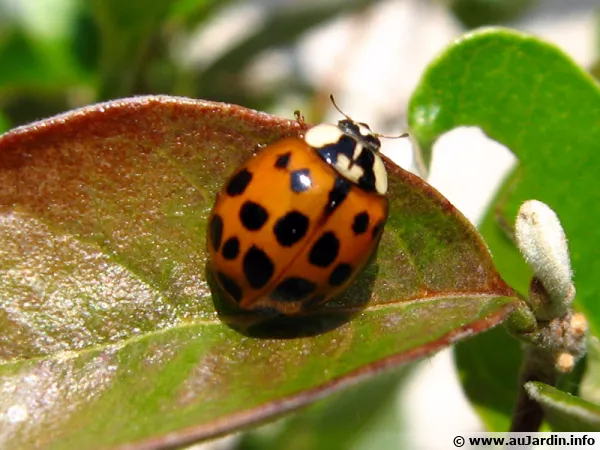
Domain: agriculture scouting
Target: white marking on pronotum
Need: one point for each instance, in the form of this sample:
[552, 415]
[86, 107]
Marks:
[364, 130]
[381, 179]
[323, 135]
[343, 166]
[358, 149]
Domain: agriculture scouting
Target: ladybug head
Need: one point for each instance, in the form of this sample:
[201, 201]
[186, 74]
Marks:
[360, 132]
[353, 150]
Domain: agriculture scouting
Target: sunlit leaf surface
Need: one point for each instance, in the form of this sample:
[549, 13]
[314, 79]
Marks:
[109, 330]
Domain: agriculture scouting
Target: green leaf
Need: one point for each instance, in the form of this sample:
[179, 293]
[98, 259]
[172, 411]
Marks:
[40, 75]
[4, 123]
[30, 61]
[280, 28]
[23, 65]
[488, 367]
[476, 13]
[564, 411]
[590, 383]
[191, 13]
[110, 331]
[126, 32]
[47, 20]
[531, 97]
[359, 417]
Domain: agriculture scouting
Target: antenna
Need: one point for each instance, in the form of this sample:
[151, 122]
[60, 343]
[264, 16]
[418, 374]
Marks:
[351, 120]
[403, 135]
[338, 108]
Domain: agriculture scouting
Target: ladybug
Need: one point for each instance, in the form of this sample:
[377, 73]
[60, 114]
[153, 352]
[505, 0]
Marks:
[297, 222]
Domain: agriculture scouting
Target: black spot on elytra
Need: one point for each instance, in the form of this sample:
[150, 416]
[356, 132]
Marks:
[230, 286]
[258, 267]
[325, 250]
[253, 216]
[361, 223]
[300, 180]
[290, 228]
[337, 195]
[283, 161]
[340, 274]
[293, 289]
[378, 228]
[216, 231]
[231, 248]
[238, 183]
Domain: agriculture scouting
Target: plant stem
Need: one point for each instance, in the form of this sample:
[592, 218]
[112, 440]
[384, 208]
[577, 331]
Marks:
[538, 365]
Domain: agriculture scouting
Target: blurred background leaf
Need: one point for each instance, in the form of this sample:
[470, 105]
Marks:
[565, 412]
[526, 81]
[490, 382]
[4, 124]
[100, 50]
[477, 13]
[590, 381]
[128, 32]
[361, 417]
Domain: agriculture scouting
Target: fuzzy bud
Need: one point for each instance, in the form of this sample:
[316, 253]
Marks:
[543, 243]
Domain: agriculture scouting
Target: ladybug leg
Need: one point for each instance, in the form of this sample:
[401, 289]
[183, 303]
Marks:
[299, 118]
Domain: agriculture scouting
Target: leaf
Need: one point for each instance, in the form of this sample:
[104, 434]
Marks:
[531, 97]
[126, 32]
[111, 335]
[191, 13]
[3, 122]
[281, 27]
[30, 62]
[476, 13]
[341, 421]
[488, 367]
[40, 75]
[590, 383]
[564, 411]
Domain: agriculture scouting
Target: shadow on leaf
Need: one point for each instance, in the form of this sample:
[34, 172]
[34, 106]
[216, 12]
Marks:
[269, 324]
